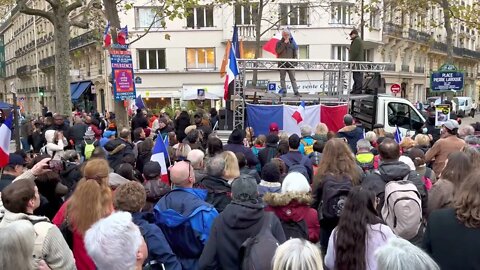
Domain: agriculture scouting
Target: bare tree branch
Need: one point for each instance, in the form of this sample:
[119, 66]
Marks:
[53, 3]
[36, 12]
[80, 24]
[154, 21]
[76, 4]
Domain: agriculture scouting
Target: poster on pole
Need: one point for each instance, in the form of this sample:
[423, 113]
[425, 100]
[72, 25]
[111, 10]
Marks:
[123, 76]
[442, 114]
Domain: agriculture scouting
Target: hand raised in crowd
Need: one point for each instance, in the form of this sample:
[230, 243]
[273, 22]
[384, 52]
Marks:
[41, 167]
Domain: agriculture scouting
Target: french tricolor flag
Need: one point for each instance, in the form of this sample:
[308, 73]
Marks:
[299, 114]
[232, 71]
[5, 137]
[271, 45]
[160, 155]
[107, 38]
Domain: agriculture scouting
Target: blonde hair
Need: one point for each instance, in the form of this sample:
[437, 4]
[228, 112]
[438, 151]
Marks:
[92, 198]
[407, 143]
[321, 129]
[283, 136]
[231, 170]
[297, 254]
[380, 132]
[467, 201]
[371, 137]
[422, 140]
[16, 247]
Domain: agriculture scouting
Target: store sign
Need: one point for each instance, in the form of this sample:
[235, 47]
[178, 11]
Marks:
[448, 78]
[123, 77]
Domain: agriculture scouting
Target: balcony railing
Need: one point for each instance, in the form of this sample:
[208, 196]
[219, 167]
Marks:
[84, 40]
[405, 68]
[439, 46]
[246, 31]
[418, 36]
[392, 29]
[23, 70]
[390, 67]
[419, 70]
[47, 62]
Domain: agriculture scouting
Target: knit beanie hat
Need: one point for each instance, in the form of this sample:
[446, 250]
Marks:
[89, 134]
[236, 137]
[295, 182]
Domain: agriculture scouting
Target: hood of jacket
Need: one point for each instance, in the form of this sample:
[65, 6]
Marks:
[351, 131]
[115, 180]
[49, 135]
[393, 171]
[178, 205]
[290, 206]
[242, 215]
[113, 147]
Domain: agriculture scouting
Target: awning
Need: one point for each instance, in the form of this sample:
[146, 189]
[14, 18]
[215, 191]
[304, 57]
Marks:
[195, 96]
[80, 89]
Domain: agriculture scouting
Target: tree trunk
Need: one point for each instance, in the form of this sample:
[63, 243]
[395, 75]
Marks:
[111, 12]
[448, 28]
[63, 103]
[258, 32]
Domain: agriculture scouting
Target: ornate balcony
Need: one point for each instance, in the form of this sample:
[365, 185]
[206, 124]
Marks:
[47, 62]
[84, 40]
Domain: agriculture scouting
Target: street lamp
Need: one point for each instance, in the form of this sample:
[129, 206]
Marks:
[16, 129]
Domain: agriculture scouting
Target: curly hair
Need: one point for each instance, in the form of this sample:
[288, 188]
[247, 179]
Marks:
[467, 201]
[457, 168]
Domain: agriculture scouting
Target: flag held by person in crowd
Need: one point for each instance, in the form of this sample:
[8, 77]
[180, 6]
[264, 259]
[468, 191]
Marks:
[139, 102]
[5, 137]
[160, 155]
[272, 43]
[299, 114]
[122, 36]
[232, 68]
[397, 135]
[107, 38]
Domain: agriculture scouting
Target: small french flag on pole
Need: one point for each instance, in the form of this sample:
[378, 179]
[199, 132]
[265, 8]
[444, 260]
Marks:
[5, 137]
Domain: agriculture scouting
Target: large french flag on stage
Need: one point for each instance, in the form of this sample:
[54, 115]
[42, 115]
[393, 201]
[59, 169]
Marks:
[5, 137]
[160, 155]
[292, 118]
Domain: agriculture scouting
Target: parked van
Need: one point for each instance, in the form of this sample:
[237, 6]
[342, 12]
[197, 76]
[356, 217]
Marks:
[387, 110]
[464, 105]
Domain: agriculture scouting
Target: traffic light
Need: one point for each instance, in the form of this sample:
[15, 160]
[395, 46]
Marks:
[41, 92]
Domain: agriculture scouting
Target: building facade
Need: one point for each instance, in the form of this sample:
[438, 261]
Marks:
[177, 57]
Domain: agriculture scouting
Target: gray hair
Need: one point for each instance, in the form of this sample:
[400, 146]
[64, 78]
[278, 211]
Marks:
[306, 130]
[465, 130]
[297, 254]
[196, 158]
[216, 166]
[472, 140]
[116, 236]
[399, 254]
[16, 247]
[363, 144]
[371, 136]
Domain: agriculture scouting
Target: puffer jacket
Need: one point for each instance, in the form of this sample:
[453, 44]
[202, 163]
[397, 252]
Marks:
[115, 151]
[54, 148]
[294, 206]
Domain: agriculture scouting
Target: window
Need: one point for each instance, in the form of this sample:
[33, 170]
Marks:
[303, 52]
[291, 14]
[375, 19]
[402, 115]
[368, 55]
[145, 16]
[340, 52]
[245, 13]
[341, 13]
[200, 17]
[198, 58]
[249, 51]
[151, 59]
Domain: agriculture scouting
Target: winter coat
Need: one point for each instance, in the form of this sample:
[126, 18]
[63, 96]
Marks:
[53, 147]
[139, 121]
[185, 219]
[159, 250]
[155, 190]
[394, 171]
[54, 249]
[219, 192]
[97, 131]
[200, 174]
[77, 132]
[181, 123]
[268, 153]
[440, 151]
[295, 157]
[252, 160]
[115, 150]
[440, 196]
[239, 221]
[353, 134]
[38, 141]
[356, 50]
[71, 175]
[307, 141]
[5, 180]
[286, 50]
[450, 243]
[253, 173]
[268, 187]
[294, 206]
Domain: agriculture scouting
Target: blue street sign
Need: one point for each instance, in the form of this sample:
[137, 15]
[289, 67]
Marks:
[448, 78]
[272, 87]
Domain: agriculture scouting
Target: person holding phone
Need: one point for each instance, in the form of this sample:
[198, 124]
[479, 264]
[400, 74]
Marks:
[56, 143]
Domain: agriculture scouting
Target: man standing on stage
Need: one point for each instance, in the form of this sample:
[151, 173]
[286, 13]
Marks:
[356, 54]
[286, 49]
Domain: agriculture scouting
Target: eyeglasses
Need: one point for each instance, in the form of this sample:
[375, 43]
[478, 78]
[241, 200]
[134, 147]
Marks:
[189, 165]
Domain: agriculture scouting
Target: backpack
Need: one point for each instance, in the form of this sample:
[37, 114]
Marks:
[298, 167]
[41, 228]
[307, 148]
[427, 178]
[402, 210]
[334, 194]
[89, 148]
[294, 229]
[257, 252]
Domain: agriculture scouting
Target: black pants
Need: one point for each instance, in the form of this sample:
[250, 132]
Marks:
[357, 82]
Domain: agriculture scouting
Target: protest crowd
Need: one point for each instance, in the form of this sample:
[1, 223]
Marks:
[167, 193]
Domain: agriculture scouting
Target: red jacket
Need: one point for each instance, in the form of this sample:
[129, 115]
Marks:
[294, 207]
[97, 131]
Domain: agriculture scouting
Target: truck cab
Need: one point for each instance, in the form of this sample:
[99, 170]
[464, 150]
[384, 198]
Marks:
[390, 111]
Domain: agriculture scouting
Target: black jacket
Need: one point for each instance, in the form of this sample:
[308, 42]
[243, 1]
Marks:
[394, 171]
[252, 160]
[239, 221]
[77, 132]
[450, 243]
[219, 192]
[139, 121]
[181, 123]
[115, 151]
[267, 153]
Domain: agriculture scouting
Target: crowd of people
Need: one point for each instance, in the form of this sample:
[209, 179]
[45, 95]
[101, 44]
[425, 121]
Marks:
[88, 196]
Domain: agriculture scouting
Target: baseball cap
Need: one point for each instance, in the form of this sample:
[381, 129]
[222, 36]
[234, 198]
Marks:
[244, 188]
[273, 127]
[108, 133]
[152, 169]
[451, 124]
[15, 159]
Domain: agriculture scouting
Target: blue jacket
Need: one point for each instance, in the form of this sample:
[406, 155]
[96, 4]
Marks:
[185, 219]
[159, 250]
[353, 134]
[308, 140]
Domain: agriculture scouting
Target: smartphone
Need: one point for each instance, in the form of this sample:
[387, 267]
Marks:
[56, 165]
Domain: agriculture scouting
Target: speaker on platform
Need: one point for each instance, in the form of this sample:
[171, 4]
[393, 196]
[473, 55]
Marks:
[225, 116]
